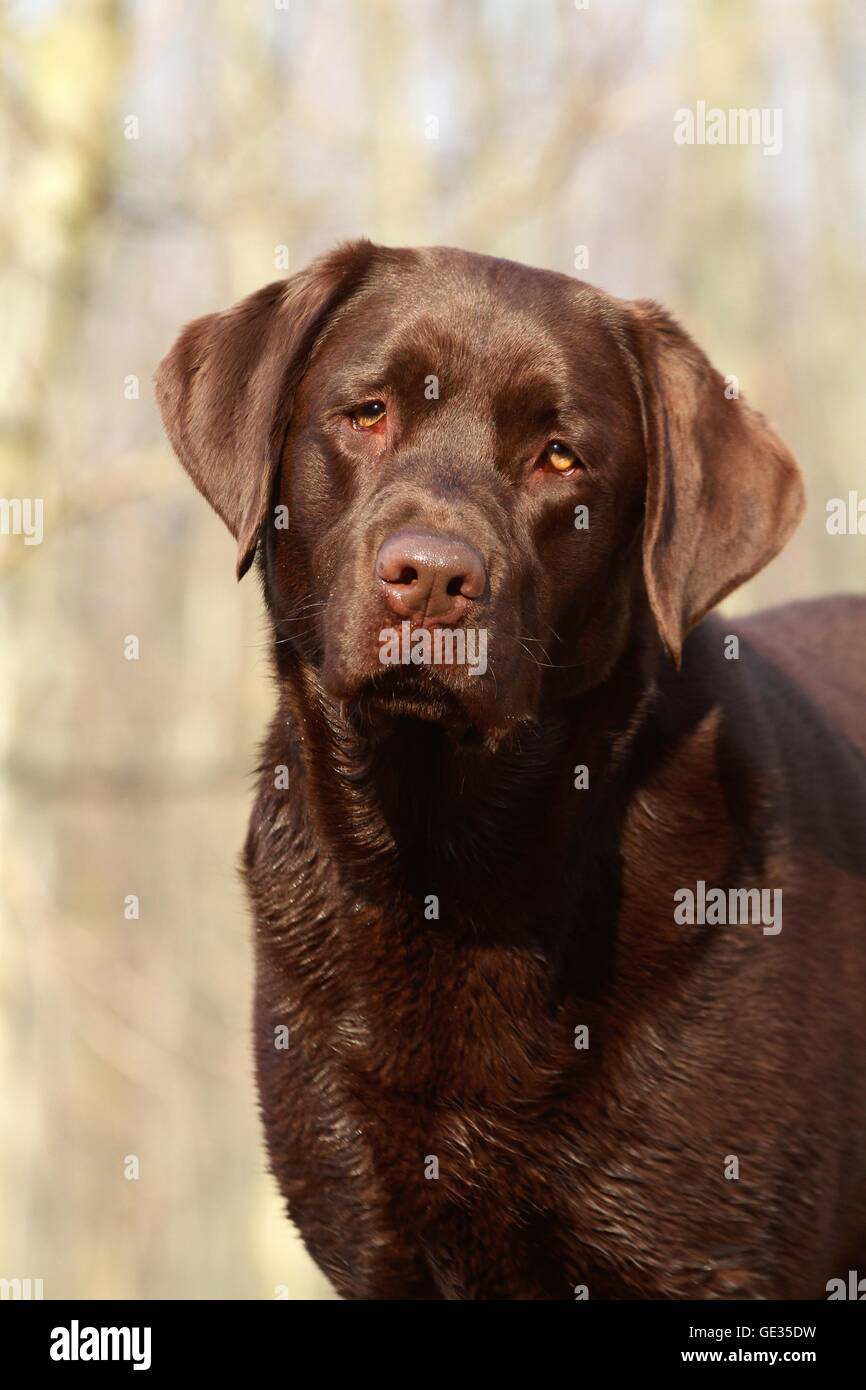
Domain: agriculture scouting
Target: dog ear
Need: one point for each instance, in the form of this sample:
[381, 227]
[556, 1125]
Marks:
[723, 493]
[225, 390]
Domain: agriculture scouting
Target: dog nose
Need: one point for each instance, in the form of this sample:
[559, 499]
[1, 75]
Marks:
[429, 578]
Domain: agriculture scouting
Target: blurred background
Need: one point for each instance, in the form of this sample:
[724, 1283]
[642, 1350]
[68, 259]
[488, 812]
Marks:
[159, 160]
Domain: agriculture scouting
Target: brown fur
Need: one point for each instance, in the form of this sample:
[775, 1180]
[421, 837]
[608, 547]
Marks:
[454, 1038]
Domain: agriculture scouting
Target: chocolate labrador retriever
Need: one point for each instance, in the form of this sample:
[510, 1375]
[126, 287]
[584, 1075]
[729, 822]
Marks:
[559, 894]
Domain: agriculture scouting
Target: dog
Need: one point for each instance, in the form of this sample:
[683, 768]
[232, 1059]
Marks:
[561, 964]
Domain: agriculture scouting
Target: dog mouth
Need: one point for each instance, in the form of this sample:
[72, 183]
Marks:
[432, 675]
[415, 694]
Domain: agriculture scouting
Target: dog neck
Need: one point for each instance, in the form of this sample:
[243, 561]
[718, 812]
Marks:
[416, 819]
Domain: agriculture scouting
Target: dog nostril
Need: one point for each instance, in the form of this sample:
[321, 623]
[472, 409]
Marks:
[431, 577]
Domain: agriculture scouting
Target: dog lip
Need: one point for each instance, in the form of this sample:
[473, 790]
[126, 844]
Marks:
[406, 684]
[415, 693]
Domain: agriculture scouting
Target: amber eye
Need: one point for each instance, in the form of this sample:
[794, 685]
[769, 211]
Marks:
[367, 415]
[560, 457]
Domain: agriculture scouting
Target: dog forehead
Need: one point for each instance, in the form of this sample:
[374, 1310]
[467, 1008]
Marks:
[488, 323]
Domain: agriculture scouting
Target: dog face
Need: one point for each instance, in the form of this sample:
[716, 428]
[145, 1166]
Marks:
[450, 423]
[472, 480]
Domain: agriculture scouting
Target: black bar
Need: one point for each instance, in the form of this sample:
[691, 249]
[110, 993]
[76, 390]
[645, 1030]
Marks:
[248, 1337]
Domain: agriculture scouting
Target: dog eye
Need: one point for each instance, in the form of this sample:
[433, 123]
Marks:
[367, 415]
[559, 457]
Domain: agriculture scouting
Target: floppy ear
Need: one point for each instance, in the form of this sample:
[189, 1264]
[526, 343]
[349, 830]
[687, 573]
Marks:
[225, 390]
[723, 493]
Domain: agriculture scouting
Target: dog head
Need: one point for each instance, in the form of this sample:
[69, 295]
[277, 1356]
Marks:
[471, 481]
